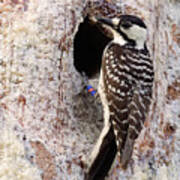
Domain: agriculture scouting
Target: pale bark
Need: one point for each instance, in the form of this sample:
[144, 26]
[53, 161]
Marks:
[47, 122]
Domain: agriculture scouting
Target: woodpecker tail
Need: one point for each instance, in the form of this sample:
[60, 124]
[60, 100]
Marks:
[127, 152]
[103, 161]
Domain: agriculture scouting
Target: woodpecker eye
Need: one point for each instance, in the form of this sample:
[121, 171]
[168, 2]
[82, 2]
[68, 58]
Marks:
[126, 24]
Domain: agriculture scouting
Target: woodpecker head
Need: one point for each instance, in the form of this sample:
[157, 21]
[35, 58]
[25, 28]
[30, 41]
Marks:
[126, 29]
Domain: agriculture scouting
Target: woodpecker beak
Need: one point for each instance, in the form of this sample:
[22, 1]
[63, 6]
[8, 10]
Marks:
[110, 22]
[108, 26]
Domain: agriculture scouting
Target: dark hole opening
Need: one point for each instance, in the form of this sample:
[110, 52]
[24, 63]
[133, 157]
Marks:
[89, 43]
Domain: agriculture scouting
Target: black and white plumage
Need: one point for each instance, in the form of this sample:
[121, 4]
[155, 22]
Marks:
[125, 89]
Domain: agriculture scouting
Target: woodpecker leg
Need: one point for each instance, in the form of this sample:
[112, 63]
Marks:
[97, 98]
[94, 93]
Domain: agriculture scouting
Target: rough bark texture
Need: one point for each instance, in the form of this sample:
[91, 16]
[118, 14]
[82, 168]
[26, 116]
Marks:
[48, 124]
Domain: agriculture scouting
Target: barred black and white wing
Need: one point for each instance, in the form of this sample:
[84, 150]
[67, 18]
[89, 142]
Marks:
[128, 78]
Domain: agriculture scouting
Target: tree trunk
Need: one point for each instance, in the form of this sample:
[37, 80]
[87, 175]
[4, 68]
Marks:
[48, 122]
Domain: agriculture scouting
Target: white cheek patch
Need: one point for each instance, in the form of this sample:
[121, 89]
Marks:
[137, 34]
